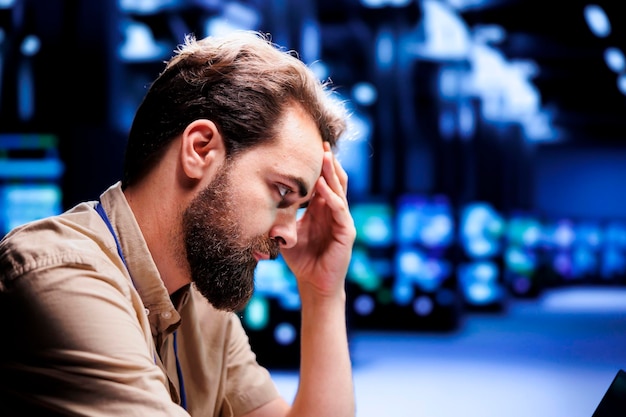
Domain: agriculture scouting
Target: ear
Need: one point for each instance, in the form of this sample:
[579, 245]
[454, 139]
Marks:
[202, 149]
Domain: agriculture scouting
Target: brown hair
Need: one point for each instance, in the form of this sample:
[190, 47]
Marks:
[242, 82]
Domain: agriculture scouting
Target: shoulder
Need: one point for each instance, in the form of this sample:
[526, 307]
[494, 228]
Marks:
[76, 237]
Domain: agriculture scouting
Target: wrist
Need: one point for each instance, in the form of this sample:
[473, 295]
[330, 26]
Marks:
[312, 298]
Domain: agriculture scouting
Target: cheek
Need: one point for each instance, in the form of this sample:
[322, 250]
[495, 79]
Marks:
[257, 214]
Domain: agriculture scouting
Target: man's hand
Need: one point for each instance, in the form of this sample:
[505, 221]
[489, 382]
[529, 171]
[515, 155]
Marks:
[326, 233]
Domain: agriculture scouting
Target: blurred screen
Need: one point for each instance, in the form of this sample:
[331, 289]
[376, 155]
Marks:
[425, 221]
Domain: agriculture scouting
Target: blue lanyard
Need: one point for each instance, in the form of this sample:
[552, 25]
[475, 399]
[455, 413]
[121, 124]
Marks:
[179, 371]
[104, 216]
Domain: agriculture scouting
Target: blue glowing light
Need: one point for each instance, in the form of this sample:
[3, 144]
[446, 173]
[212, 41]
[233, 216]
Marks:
[364, 93]
[285, 333]
[139, 43]
[614, 58]
[597, 20]
[425, 221]
[374, 223]
[423, 305]
[30, 45]
[256, 314]
[23, 203]
[482, 229]
[479, 282]
[364, 304]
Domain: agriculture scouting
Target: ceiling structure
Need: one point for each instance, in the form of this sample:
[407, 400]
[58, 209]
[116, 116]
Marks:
[573, 78]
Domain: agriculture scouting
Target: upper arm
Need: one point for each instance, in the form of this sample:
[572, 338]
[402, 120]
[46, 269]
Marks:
[79, 343]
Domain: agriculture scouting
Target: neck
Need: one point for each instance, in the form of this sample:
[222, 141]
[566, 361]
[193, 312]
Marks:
[157, 208]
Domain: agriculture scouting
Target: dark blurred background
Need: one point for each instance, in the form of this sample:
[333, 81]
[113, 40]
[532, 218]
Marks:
[486, 150]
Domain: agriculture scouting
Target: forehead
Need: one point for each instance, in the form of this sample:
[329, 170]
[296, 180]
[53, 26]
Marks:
[297, 150]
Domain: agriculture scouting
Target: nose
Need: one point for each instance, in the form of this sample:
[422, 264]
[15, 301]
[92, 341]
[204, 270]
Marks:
[284, 230]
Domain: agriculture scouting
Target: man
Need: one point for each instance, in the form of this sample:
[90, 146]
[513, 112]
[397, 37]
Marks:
[125, 306]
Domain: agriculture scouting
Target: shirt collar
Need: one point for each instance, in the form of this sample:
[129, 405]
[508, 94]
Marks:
[162, 313]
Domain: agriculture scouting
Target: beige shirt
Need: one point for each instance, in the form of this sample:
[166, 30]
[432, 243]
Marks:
[81, 337]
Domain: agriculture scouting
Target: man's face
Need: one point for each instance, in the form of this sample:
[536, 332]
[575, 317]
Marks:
[221, 260]
[248, 212]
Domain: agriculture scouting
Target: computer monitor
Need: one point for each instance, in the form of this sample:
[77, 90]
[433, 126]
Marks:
[613, 403]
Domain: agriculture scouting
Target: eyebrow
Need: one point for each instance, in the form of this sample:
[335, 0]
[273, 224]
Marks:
[302, 188]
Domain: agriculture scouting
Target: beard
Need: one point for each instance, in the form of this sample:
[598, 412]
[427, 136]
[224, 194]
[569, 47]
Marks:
[221, 260]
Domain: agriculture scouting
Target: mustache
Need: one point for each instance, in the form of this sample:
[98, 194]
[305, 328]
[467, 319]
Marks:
[267, 245]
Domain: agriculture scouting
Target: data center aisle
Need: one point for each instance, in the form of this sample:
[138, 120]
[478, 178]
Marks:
[550, 357]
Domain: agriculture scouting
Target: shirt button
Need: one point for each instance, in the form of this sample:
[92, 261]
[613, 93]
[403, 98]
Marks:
[147, 311]
[166, 315]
